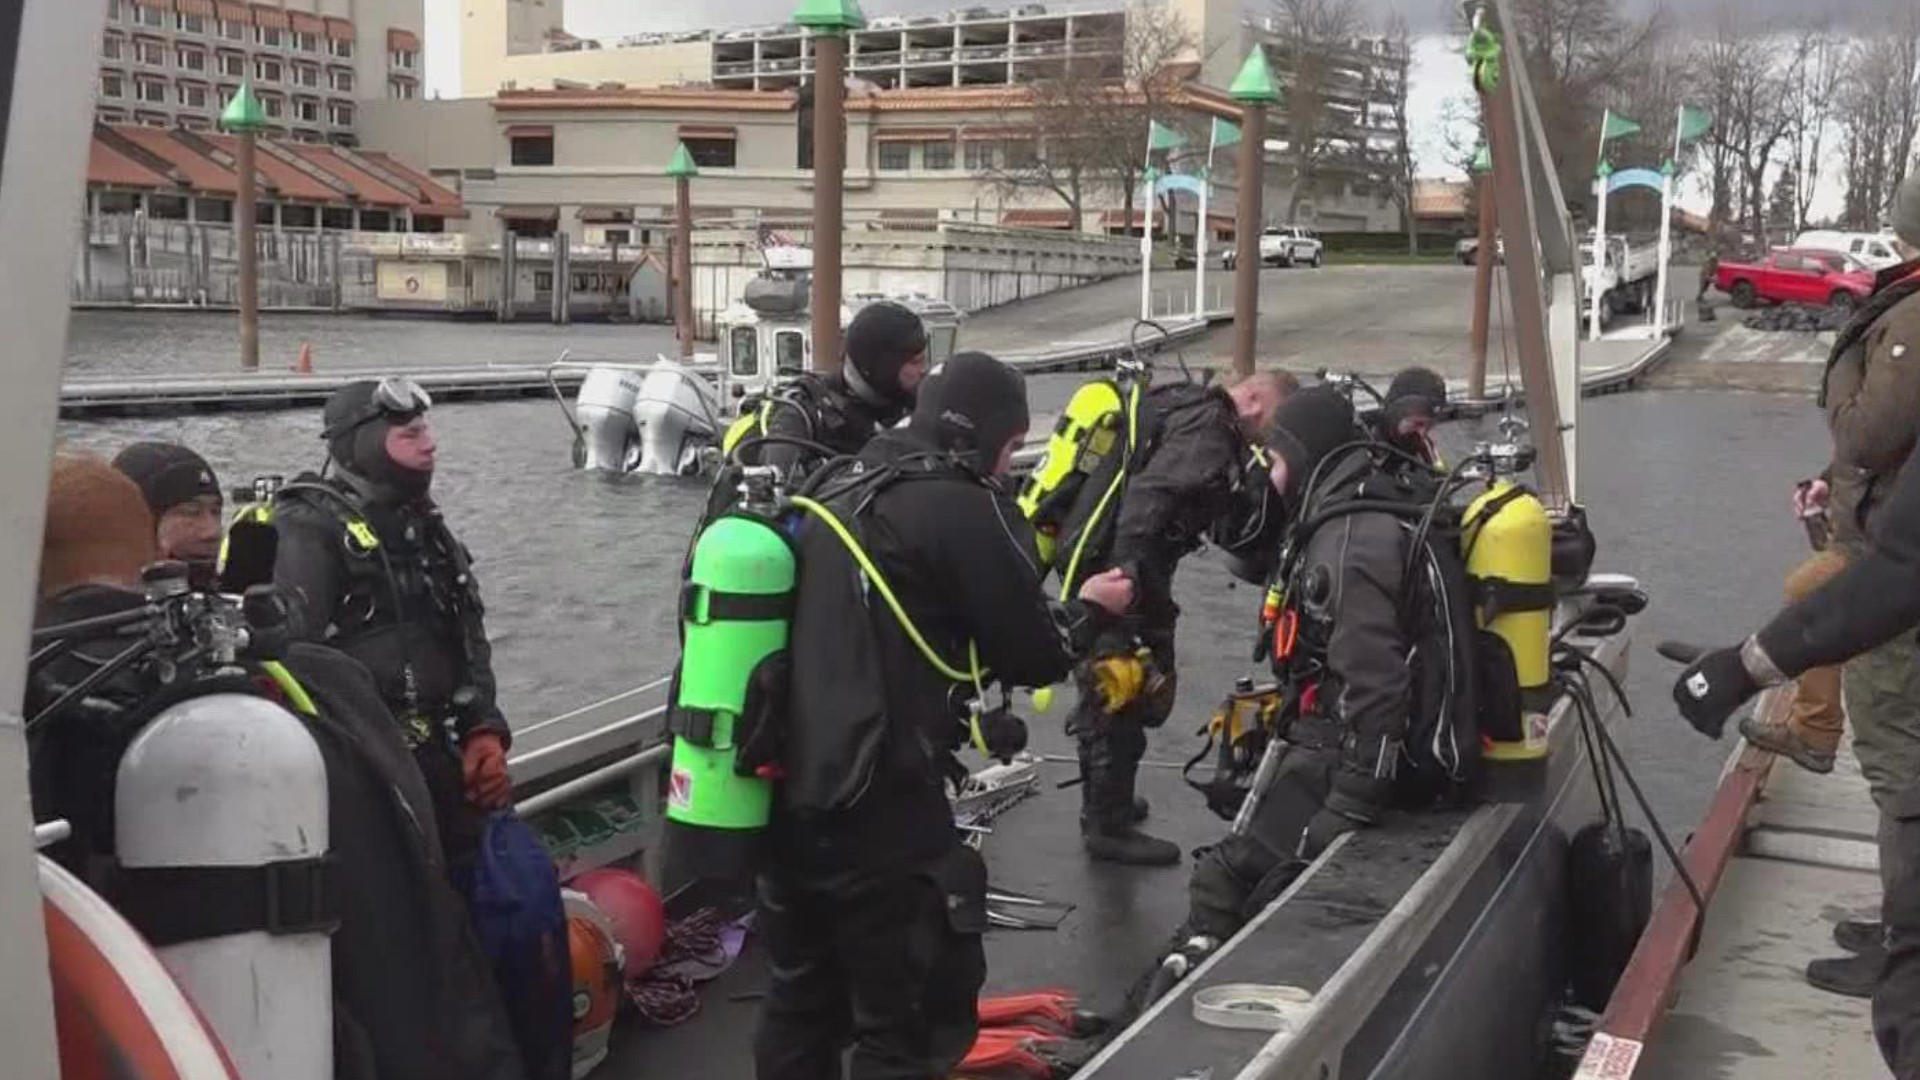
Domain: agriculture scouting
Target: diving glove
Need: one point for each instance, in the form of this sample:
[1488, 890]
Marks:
[1000, 734]
[1122, 678]
[1717, 683]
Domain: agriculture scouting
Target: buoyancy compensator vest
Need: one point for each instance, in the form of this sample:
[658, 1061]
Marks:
[1073, 495]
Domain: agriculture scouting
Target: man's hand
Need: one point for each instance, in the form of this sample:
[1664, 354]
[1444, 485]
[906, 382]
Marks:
[1711, 688]
[1810, 497]
[1111, 590]
[484, 766]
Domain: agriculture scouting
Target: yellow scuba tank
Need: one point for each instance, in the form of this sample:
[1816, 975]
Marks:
[1508, 541]
[1072, 493]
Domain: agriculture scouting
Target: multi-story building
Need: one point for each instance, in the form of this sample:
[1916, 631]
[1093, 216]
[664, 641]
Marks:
[176, 63]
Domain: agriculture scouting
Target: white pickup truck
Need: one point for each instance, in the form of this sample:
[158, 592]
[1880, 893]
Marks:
[1626, 277]
[1285, 245]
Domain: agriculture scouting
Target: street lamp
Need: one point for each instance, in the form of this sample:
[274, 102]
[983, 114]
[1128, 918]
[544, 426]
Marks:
[244, 119]
[682, 169]
[830, 20]
[1254, 89]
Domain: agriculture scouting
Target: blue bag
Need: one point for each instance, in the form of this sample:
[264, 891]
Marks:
[513, 899]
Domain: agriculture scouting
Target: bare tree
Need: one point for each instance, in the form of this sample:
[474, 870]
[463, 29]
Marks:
[1745, 78]
[1314, 36]
[1879, 113]
[1814, 86]
[1401, 168]
[1052, 151]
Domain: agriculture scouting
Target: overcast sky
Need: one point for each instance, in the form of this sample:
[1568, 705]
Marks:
[1439, 73]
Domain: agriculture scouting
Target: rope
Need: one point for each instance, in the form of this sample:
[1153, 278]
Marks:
[664, 997]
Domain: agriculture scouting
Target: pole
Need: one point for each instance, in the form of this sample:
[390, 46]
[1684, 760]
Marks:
[1599, 227]
[829, 170]
[1666, 229]
[249, 257]
[1486, 259]
[1200, 233]
[1146, 249]
[683, 265]
[1246, 235]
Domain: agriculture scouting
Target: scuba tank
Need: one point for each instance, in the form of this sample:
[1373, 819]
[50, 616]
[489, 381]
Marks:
[736, 612]
[1507, 538]
[1080, 452]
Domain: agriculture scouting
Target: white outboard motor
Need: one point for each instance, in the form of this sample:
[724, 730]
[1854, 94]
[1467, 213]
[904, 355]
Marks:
[220, 812]
[676, 412]
[604, 410]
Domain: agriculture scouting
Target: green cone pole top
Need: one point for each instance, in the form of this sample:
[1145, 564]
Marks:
[243, 115]
[682, 164]
[829, 16]
[1482, 160]
[1254, 84]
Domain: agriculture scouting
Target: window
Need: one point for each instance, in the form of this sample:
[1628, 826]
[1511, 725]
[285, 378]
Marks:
[196, 123]
[341, 80]
[307, 43]
[112, 86]
[896, 156]
[192, 24]
[266, 70]
[1022, 154]
[149, 16]
[191, 59]
[743, 355]
[151, 91]
[306, 110]
[339, 49]
[306, 75]
[233, 31]
[113, 10]
[402, 59]
[936, 155]
[113, 47]
[110, 116]
[193, 95]
[543, 281]
[268, 36]
[233, 65]
[531, 149]
[148, 51]
[402, 89]
[789, 353]
[619, 236]
[273, 106]
[978, 155]
[340, 114]
[711, 153]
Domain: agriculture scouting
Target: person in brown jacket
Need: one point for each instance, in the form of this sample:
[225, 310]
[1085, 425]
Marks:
[1871, 393]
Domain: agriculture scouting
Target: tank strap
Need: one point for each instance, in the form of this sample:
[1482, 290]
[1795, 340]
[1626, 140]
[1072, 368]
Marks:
[174, 904]
[1498, 596]
[700, 604]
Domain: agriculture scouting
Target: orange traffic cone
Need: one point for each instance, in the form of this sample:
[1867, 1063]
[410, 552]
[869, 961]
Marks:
[304, 365]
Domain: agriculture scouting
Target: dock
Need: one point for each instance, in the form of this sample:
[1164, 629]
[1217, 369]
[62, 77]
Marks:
[1782, 855]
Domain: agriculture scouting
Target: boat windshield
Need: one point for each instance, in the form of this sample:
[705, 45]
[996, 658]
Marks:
[743, 352]
[789, 353]
[939, 344]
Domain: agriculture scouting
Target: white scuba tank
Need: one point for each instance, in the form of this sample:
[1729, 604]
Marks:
[604, 410]
[676, 412]
[235, 781]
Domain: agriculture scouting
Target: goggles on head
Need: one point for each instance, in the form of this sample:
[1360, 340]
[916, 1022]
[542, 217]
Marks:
[394, 396]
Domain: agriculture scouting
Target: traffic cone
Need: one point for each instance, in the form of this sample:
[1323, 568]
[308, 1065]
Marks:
[304, 365]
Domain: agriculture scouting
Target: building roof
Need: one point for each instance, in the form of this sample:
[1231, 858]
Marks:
[1440, 198]
[203, 163]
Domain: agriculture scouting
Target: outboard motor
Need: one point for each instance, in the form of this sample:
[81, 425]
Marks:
[609, 439]
[676, 414]
[220, 813]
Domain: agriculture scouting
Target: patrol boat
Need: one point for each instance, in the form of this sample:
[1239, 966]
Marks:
[665, 417]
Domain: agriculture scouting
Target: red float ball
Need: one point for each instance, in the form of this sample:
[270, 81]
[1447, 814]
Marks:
[633, 906]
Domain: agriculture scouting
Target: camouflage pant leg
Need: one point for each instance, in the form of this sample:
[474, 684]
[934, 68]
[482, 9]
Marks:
[1882, 694]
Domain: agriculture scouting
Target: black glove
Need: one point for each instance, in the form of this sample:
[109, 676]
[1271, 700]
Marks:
[1711, 688]
[1004, 734]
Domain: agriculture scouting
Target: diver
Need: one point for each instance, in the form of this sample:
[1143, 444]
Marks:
[1190, 481]
[1408, 411]
[184, 495]
[886, 357]
[1348, 669]
[871, 906]
[371, 568]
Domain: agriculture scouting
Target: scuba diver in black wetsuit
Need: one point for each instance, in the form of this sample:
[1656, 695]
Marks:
[919, 583]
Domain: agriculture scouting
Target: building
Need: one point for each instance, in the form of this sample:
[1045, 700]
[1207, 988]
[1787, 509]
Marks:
[592, 162]
[523, 45]
[176, 63]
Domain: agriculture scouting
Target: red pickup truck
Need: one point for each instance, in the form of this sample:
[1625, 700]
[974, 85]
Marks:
[1796, 277]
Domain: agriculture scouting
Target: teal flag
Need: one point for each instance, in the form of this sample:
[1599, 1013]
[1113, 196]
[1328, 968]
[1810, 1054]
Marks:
[1162, 137]
[1616, 127]
[1694, 123]
[1225, 133]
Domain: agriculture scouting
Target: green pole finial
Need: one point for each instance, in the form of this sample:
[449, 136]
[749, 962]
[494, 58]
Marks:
[829, 16]
[1604, 169]
[682, 164]
[1483, 57]
[243, 115]
[1254, 85]
[1482, 160]
[1666, 167]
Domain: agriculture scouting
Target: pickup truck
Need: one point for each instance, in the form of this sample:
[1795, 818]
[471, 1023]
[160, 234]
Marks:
[1626, 277]
[1285, 245]
[1794, 276]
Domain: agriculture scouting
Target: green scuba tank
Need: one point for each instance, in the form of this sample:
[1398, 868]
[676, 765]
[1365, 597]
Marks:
[736, 612]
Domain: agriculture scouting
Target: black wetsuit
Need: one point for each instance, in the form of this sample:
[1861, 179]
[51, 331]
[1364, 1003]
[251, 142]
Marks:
[823, 409]
[871, 907]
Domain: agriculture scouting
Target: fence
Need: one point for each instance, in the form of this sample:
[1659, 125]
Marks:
[127, 259]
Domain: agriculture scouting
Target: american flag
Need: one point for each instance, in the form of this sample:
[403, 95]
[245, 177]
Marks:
[771, 237]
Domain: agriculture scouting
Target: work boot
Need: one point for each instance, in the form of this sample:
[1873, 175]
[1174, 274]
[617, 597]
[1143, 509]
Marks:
[1126, 845]
[1788, 742]
[1860, 935]
[1141, 810]
[1855, 976]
